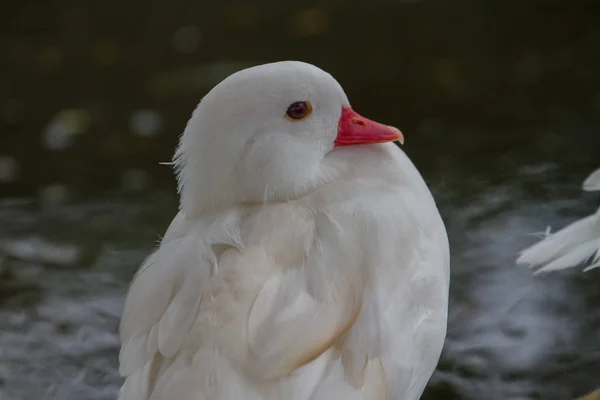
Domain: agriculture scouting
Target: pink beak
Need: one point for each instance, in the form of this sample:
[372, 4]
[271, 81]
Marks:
[356, 129]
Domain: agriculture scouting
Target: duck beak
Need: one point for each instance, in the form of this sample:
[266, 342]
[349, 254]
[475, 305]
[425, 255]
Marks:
[356, 129]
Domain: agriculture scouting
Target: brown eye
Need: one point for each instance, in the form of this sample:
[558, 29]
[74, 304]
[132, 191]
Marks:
[298, 110]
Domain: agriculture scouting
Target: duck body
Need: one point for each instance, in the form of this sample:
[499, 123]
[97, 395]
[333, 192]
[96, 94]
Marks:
[339, 293]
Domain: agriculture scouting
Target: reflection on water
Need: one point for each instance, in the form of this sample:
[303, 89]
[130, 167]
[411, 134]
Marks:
[509, 332]
[61, 293]
[65, 271]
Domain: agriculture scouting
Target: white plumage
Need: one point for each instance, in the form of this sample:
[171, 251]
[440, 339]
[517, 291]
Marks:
[296, 269]
[573, 245]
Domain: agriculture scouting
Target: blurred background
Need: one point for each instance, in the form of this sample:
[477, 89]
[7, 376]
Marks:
[499, 103]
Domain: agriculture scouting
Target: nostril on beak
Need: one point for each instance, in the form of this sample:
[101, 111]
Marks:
[359, 122]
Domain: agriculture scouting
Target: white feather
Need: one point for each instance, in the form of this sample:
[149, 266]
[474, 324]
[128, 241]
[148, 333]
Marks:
[573, 245]
[592, 182]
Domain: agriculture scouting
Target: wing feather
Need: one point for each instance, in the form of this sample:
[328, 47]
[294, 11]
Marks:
[159, 309]
[576, 243]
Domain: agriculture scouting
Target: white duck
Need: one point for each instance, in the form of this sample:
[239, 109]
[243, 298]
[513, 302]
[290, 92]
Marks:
[574, 244]
[302, 265]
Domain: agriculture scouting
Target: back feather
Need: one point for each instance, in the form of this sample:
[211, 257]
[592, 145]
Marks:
[577, 243]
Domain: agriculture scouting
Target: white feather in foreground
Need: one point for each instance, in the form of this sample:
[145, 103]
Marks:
[296, 269]
[577, 243]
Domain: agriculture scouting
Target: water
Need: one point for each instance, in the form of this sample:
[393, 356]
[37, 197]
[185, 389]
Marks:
[62, 291]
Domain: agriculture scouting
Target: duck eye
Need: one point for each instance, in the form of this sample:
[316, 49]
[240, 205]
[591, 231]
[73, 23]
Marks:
[298, 111]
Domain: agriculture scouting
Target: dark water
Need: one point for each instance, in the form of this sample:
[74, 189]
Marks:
[500, 106]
